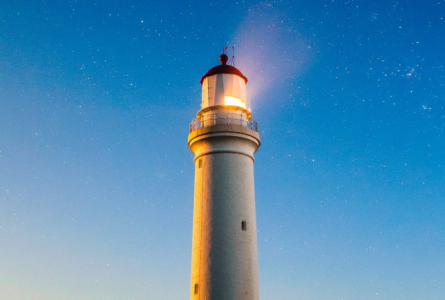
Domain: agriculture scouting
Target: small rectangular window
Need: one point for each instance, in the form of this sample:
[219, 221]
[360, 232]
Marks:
[199, 163]
[196, 289]
[244, 225]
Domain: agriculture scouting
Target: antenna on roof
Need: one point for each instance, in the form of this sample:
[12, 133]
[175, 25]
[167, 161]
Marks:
[233, 55]
[232, 59]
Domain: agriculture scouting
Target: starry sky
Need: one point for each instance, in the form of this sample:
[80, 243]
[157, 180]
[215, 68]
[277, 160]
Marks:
[96, 178]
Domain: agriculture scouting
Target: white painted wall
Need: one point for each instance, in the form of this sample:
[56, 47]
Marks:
[224, 257]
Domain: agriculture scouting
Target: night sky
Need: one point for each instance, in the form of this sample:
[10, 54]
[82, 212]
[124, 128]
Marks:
[96, 178]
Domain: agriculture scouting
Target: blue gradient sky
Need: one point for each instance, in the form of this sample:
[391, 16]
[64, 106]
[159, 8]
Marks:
[96, 179]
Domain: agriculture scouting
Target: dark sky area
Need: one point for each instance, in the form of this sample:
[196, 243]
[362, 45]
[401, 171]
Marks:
[96, 178]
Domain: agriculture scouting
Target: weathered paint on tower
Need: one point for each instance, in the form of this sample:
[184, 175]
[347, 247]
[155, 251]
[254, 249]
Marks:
[224, 139]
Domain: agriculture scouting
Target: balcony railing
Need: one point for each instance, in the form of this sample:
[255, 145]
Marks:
[226, 119]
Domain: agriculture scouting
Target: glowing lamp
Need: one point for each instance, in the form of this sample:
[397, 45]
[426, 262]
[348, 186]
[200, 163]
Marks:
[229, 100]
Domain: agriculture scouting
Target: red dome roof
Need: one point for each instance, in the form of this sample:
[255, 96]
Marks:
[223, 69]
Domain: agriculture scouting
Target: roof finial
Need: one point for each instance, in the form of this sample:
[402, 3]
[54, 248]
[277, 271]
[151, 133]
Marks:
[223, 59]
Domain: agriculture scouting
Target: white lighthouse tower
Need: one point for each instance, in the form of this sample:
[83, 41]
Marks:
[224, 138]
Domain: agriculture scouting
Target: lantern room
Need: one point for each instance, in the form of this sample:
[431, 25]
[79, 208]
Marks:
[223, 88]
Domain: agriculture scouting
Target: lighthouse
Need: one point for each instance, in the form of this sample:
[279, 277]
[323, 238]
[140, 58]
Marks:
[224, 138]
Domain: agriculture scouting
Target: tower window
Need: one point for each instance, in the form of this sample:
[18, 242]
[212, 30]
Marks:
[244, 225]
[199, 163]
[196, 289]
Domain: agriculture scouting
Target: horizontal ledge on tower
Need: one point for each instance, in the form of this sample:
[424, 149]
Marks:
[220, 129]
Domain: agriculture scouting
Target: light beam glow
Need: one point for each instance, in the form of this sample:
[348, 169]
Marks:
[270, 50]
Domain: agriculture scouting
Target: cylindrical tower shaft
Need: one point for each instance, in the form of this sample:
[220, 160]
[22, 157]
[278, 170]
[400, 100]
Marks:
[224, 253]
